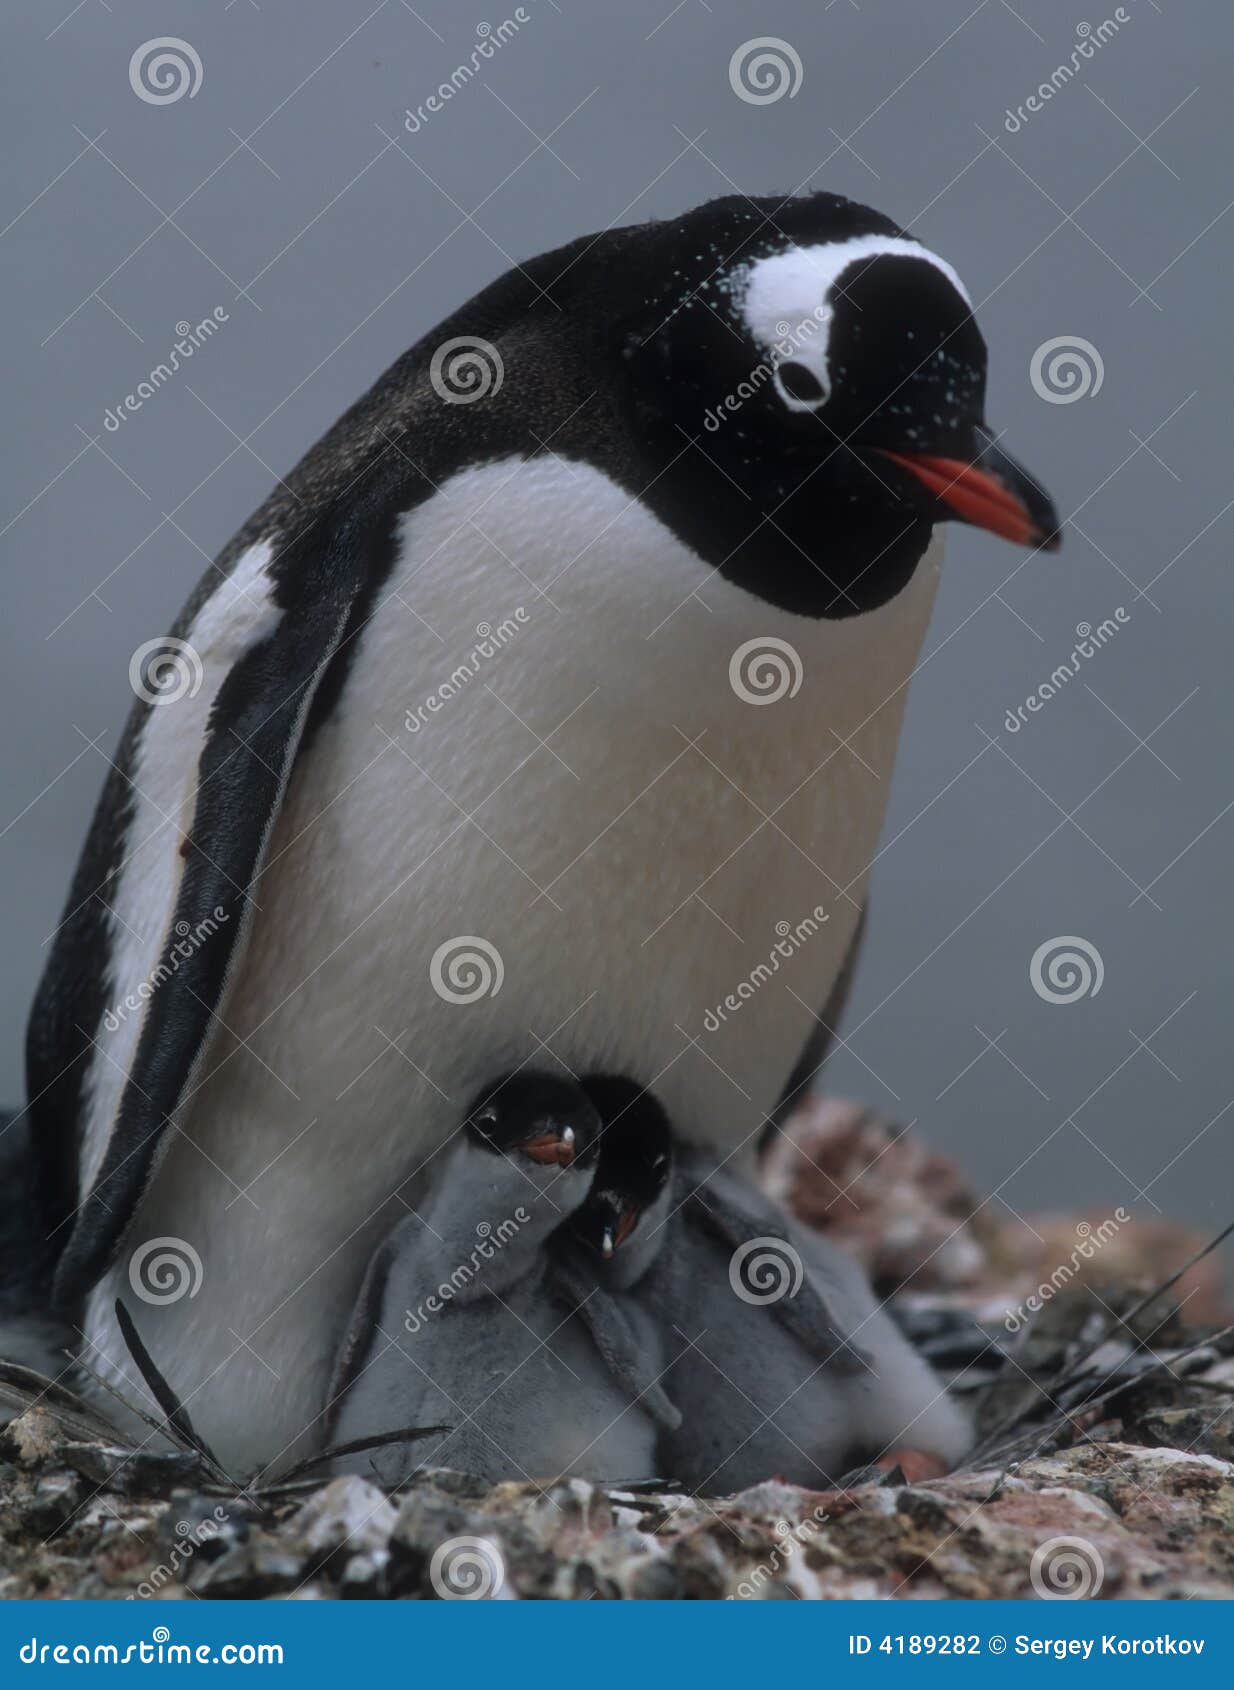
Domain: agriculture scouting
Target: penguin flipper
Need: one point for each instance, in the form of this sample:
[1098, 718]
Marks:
[805, 1312]
[268, 696]
[617, 1342]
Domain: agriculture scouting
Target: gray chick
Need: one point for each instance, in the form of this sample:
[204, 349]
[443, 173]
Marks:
[463, 1319]
[783, 1362]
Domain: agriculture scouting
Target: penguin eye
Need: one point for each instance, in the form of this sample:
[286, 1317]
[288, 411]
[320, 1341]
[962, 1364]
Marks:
[800, 387]
[486, 1117]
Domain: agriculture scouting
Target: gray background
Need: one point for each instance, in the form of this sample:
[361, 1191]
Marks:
[280, 177]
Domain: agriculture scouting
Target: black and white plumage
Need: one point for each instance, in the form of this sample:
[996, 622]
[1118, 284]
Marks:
[464, 1321]
[315, 835]
[780, 1359]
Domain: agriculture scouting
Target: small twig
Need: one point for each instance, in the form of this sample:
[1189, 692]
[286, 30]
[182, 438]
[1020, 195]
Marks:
[357, 1446]
[260, 1495]
[25, 1388]
[178, 1420]
[130, 1407]
[1144, 1303]
[1072, 1368]
[1099, 1399]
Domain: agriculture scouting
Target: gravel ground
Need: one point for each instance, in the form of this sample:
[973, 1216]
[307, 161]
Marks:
[1104, 1467]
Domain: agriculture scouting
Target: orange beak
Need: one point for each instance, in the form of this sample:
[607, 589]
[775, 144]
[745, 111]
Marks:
[625, 1227]
[551, 1149]
[993, 492]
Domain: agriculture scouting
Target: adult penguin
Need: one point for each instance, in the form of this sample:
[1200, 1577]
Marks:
[550, 701]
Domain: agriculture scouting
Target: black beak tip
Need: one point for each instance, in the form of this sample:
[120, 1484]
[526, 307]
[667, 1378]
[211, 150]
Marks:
[1044, 517]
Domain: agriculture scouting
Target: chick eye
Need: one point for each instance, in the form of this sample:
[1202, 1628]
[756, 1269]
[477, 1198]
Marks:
[799, 387]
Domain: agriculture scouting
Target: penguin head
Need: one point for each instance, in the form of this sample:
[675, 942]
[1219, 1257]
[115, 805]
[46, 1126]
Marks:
[631, 1183]
[815, 381]
[544, 1124]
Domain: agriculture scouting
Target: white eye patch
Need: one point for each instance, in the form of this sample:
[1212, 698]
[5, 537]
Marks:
[787, 310]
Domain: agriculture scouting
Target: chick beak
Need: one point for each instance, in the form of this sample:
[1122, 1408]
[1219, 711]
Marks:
[607, 1244]
[551, 1149]
[989, 490]
[625, 1226]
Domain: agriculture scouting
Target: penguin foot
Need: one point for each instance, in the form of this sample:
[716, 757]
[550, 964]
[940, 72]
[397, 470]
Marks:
[915, 1464]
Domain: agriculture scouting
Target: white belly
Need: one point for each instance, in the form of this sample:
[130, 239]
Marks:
[554, 807]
